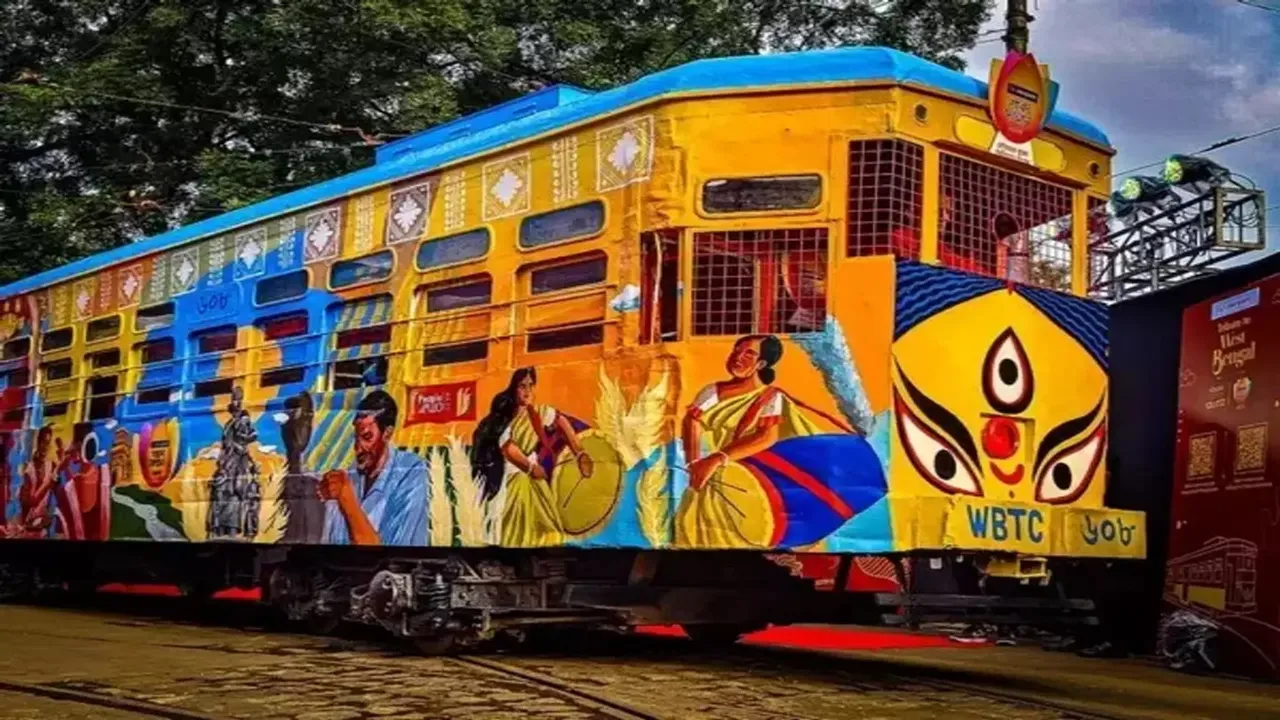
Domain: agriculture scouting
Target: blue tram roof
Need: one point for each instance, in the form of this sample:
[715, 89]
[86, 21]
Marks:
[552, 108]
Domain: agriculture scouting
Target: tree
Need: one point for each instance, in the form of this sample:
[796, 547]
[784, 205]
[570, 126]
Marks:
[123, 118]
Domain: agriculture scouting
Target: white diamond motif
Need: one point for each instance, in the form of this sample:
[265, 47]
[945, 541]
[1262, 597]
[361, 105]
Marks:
[185, 270]
[407, 213]
[625, 151]
[320, 236]
[82, 302]
[129, 286]
[249, 253]
[506, 187]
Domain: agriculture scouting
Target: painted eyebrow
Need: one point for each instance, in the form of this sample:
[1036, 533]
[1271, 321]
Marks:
[1064, 432]
[941, 418]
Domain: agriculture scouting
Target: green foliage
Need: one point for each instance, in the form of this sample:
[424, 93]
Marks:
[85, 166]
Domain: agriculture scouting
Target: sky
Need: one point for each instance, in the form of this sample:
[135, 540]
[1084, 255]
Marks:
[1164, 76]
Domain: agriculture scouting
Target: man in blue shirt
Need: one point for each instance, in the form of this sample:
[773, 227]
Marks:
[383, 499]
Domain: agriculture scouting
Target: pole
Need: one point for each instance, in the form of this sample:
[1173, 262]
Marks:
[1017, 19]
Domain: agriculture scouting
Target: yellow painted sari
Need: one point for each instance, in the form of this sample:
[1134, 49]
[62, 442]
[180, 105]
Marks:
[529, 517]
[733, 510]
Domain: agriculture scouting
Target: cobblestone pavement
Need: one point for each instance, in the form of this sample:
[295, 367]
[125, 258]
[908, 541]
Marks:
[74, 663]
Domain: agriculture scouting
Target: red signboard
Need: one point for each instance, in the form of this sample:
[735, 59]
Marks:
[441, 403]
[1224, 546]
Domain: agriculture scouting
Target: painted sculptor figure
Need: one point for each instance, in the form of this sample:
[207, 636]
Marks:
[383, 499]
[301, 488]
[234, 490]
[515, 450]
[38, 477]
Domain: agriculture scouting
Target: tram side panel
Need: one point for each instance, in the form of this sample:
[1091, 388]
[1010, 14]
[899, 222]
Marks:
[1224, 545]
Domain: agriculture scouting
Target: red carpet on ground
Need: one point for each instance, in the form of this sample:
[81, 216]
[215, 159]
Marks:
[816, 638]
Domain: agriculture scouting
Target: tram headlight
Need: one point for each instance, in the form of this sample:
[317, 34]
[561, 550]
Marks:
[1184, 170]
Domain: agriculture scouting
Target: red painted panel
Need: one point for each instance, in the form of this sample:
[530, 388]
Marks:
[1224, 547]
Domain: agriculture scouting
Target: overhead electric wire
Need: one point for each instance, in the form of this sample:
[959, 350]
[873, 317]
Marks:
[1225, 142]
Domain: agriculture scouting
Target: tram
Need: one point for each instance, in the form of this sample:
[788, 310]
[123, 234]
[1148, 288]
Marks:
[600, 358]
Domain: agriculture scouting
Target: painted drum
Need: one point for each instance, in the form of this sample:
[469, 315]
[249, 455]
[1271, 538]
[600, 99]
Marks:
[585, 503]
[817, 483]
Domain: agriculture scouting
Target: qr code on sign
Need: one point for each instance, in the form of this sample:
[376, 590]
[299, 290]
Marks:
[1201, 456]
[1251, 448]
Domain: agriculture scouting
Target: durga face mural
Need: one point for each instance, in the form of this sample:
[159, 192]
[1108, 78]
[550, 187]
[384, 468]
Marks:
[1000, 394]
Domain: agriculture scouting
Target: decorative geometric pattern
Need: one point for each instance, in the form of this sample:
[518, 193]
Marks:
[129, 285]
[1251, 448]
[213, 271]
[1202, 453]
[106, 292]
[321, 239]
[506, 187]
[158, 280]
[288, 232]
[251, 253]
[453, 186]
[61, 303]
[363, 240]
[624, 154]
[82, 297]
[184, 270]
[407, 213]
[564, 169]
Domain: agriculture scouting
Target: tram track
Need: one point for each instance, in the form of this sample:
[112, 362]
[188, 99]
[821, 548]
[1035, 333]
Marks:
[571, 671]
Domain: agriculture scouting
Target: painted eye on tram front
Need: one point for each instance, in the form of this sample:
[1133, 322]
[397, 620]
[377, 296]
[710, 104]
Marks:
[934, 457]
[1007, 381]
[1066, 476]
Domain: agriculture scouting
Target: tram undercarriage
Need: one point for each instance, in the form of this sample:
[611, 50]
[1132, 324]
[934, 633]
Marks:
[456, 599]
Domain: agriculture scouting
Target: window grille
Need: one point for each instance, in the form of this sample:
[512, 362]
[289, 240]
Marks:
[759, 281]
[453, 249]
[886, 198]
[1000, 224]
[568, 275]
[56, 339]
[569, 223]
[219, 339]
[762, 194]
[15, 349]
[357, 271]
[281, 287]
[154, 317]
[102, 329]
[660, 286]
[458, 295]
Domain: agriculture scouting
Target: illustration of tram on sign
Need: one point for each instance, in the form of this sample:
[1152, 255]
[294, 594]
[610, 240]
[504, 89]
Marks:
[1222, 576]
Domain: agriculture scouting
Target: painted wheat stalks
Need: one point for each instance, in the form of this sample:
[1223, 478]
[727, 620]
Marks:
[466, 491]
[493, 517]
[272, 515]
[438, 510]
[654, 503]
[636, 432]
[192, 496]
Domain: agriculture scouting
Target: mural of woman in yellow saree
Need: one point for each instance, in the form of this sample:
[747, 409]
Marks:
[514, 452]
[761, 473]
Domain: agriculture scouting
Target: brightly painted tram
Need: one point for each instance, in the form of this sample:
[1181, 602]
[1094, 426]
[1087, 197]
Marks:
[599, 358]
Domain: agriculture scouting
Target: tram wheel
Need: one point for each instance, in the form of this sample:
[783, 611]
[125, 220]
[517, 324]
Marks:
[434, 646]
[715, 634]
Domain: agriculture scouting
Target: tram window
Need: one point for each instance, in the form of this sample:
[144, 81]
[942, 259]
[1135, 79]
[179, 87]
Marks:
[284, 326]
[364, 372]
[759, 281]
[154, 317]
[281, 287]
[568, 275]
[453, 249]
[454, 296]
[56, 339]
[57, 409]
[356, 271]
[660, 287]
[15, 349]
[105, 359]
[1001, 224]
[363, 336]
[762, 194]
[558, 338]
[283, 376]
[210, 388]
[19, 378]
[886, 198]
[153, 396]
[156, 351]
[460, 353]
[102, 329]
[579, 221]
[56, 370]
[102, 397]
[219, 339]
